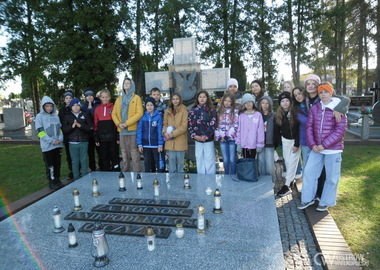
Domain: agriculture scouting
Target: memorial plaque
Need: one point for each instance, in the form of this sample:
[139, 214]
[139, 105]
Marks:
[133, 219]
[361, 101]
[166, 203]
[131, 230]
[143, 210]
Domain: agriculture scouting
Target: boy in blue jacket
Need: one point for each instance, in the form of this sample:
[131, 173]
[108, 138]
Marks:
[149, 135]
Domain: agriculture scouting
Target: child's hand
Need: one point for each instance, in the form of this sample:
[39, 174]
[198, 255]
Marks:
[320, 148]
[97, 144]
[160, 149]
[295, 149]
[315, 149]
[56, 142]
[338, 116]
[140, 149]
[74, 124]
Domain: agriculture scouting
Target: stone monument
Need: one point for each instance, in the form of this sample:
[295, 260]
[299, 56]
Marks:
[186, 76]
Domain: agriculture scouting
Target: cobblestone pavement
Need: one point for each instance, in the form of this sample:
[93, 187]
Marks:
[297, 241]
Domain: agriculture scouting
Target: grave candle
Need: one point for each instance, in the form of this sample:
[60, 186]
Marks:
[186, 181]
[156, 186]
[139, 181]
[122, 182]
[77, 205]
[99, 249]
[179, 231]
[201, 224]
[217, 202]
[95, 188]
[72, 236]
[150, 238]
[57, 220]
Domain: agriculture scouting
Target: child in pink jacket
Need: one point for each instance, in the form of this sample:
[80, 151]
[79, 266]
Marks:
[250, 133]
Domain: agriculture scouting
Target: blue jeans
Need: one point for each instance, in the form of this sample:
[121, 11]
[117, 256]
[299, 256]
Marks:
[313, 170]
[305, 151]
[229, 156]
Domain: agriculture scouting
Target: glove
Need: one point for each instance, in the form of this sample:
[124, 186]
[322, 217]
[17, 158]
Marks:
[259, 150]
[239, 149]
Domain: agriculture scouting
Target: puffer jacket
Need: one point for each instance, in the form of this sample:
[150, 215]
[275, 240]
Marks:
[149, 130]
[322, 129]
[179, 122]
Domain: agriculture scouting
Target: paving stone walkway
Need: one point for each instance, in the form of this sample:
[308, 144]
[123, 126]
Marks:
[298, 244]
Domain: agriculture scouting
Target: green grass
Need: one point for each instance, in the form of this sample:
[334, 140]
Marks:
[357, 212]
[23, 171]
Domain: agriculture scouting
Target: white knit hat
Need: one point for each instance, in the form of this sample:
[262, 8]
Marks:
[232, 81]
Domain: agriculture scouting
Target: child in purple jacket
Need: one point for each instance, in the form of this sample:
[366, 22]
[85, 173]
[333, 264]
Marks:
[325, 137]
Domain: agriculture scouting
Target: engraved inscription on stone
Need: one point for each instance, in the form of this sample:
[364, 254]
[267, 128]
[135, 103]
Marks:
[133, 219]
[131, 230]
[143, 210]
[167, 203]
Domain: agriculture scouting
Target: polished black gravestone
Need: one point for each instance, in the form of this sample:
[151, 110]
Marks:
[143, 210]
[130, 230]
[150, 202]
[133, 219]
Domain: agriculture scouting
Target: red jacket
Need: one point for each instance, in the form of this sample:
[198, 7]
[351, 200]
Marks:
[322, 129]
[104, 127]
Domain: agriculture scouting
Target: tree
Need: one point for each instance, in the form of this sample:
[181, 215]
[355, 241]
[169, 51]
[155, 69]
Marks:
[83, 43]
[225, 33]
[263, 34]
[296, 19]
[25, 52]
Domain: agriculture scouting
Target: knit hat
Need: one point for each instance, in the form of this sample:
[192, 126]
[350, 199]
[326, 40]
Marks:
[89, 92]
[284, 95]
[327, 87]
[68, 93]
[259, 83]
[75, 101]
[232, 81]
[248, 97]
[314, 78]
[150, 99]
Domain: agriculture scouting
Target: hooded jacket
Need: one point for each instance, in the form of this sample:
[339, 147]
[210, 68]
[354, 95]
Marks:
[179, 122]
[322, 129]
[149, 131]
[104, 127]
[48, 127]
[135, 110]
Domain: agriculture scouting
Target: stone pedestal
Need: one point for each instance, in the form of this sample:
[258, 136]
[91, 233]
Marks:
[365, 128]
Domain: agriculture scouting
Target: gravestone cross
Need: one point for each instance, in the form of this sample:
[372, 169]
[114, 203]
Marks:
[186, 76]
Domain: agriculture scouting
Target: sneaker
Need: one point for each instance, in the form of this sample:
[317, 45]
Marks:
[305, 205]
[293, 183]
[285, 190]
[298, 176]
[322, 208]
[317, 199]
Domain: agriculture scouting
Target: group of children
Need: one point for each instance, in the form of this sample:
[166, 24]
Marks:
[308, 120]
